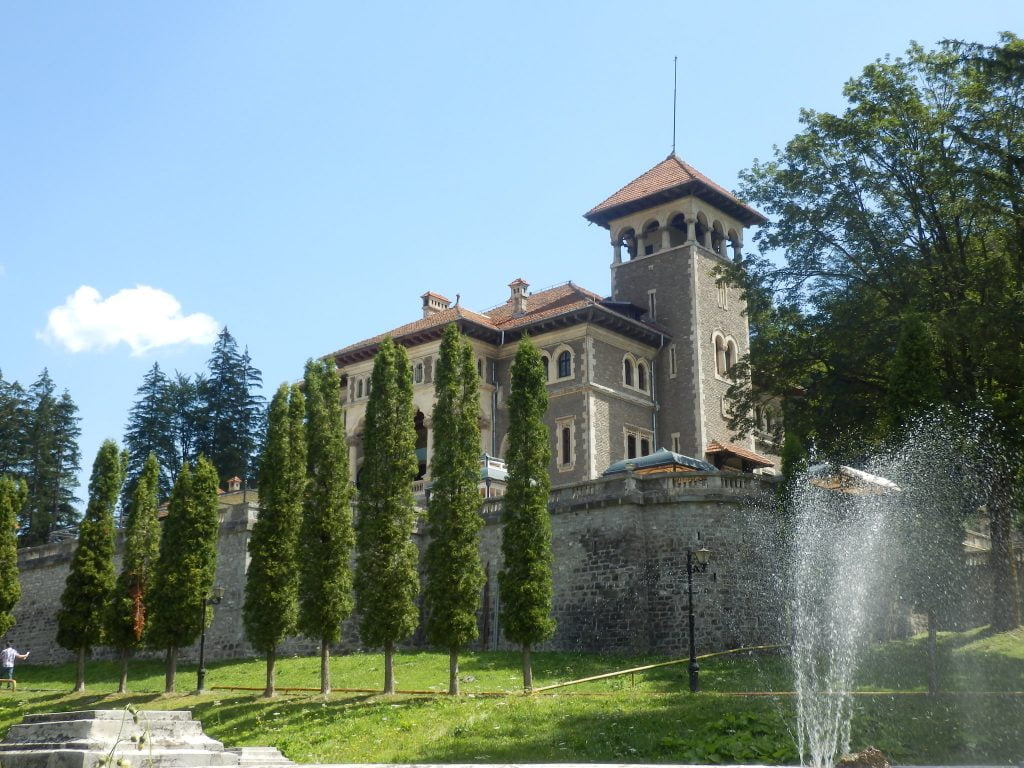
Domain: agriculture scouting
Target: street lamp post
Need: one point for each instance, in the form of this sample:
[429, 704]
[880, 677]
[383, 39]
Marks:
[213, 598]
[701, 556]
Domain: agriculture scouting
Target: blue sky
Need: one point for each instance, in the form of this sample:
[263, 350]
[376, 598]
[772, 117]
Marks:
[302, 172]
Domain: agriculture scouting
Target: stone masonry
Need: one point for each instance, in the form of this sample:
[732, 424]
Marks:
[619, 572]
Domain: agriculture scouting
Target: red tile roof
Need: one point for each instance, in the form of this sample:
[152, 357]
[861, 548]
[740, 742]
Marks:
[755, 458]
[560, 299]
[670, 173]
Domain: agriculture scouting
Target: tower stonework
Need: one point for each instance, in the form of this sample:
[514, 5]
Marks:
[672, 229]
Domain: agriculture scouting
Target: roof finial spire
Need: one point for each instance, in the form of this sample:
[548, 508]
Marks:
[675, 74]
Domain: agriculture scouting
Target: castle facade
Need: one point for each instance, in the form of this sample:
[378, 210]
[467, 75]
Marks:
[641, 369]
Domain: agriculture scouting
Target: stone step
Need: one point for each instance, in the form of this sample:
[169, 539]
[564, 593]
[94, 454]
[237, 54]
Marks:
[255, 757]
[79, 739]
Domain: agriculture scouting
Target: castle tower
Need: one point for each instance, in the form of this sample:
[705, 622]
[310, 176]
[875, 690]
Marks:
[670, 228]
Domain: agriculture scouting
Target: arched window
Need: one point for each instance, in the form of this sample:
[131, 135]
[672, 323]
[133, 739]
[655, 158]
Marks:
[546, 362]
[565, 364]
[627, 372]
[730, 355]
[641, 377]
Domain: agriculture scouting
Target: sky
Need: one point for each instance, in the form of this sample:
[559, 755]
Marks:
[302, 172]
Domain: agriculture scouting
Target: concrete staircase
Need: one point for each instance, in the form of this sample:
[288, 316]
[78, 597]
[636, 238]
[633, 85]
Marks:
[161, 739]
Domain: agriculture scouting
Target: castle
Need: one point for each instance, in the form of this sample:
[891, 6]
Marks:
[642, 369]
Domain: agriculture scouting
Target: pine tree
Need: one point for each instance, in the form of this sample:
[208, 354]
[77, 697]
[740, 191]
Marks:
[524, 582]
[326, 537]
[150, 431]
[271, 606]
[188, 416]
[187, 564]
[91, 579]
[454, 572]
[127, 614]
[233, 418]
[52, 462]
[12, 496]
[386, 580]
[14, 421]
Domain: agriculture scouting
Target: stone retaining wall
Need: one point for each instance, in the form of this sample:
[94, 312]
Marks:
[619, 572]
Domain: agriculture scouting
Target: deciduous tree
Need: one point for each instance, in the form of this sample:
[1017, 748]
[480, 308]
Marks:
[386, 579]
[524, 581]
[454, 573]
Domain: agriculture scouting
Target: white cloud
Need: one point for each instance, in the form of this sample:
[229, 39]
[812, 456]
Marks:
[142, 317]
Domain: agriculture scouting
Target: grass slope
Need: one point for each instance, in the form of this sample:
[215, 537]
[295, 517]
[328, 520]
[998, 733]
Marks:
[647, 719]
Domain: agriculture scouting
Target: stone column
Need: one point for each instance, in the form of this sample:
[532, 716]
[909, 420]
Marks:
[666, 238]
[641, 244]
[691, 229]
[617, 252]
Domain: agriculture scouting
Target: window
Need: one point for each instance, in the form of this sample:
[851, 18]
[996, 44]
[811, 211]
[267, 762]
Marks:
[565, 443]
[730, 355]
[480, 368]
[546, 363]
[627, 372]
[652, 304]
[359, 388]
[417, 373]
[721, 363]
[672, 361]
[641, 377]
[637, 442]
[565, 364]
[723, 294]
[675, 443]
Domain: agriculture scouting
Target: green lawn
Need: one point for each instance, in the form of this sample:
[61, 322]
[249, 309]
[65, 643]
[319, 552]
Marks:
[647, 718]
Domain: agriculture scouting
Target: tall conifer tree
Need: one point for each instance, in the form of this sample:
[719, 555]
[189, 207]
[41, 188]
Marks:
[150, 432]
[127, 614]
[51, 462]
[12, 496]
[524, 582]
[386, 579]
[91, 579]
[326, 537]
[454, 573]
[14, 424]
[271, 605]
[187, 564]
[233, 418]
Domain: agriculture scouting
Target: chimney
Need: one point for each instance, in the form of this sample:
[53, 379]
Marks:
[434, 303]
[518, 298]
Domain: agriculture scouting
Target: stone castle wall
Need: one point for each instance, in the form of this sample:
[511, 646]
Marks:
[619, 572]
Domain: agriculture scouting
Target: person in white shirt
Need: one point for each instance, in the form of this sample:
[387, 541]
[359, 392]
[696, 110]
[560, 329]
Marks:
[7, 658]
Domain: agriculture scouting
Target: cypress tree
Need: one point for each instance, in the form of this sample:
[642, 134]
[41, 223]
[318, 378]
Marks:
[270, 610]
[187, 564]
[524, 582]
[454, 572]
[91, 579]
[386, 581]
[127, 614]
[12, 496]
[326, 537]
